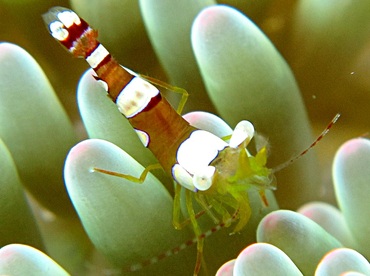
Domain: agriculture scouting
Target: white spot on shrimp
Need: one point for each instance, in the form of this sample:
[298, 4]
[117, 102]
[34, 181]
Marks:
[68, 18]
[135, 97]
[58, 30]
[197, 152]
[143, 136]
[97, 56]
[244, 130]
[182, 177]
[203, 178]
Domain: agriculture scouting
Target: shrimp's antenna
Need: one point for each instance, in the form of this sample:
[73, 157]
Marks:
[295, 158]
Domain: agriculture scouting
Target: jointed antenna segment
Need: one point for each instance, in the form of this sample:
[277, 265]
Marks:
[292, 160]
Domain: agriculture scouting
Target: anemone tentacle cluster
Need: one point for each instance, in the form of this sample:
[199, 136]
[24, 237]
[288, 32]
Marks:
[274, 65]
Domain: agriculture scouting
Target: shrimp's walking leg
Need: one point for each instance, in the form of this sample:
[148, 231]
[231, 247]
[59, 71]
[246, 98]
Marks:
[132, 178]
[183, 92]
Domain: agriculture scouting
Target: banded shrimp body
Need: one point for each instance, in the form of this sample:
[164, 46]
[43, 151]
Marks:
[214, 173]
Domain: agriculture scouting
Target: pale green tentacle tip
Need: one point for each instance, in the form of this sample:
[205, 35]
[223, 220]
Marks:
[351, 176]
[304, 241]
[264, 259]
[20, 259]
[341, 261]
[297, 245]
[274, 228]
[226, 269]
[352, 163]
[329, 218]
